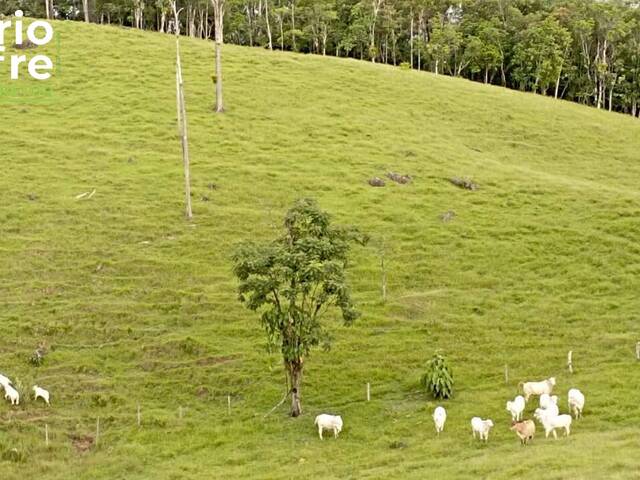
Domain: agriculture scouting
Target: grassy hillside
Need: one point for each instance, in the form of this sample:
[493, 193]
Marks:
[138, 306]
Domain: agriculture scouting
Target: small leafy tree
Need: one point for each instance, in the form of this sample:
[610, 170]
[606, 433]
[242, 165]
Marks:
[293, 281]
[438, 380]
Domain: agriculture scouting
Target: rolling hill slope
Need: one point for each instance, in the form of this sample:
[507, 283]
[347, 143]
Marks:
[138, 307]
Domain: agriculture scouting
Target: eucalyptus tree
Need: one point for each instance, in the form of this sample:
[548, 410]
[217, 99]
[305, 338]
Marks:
[218, 18]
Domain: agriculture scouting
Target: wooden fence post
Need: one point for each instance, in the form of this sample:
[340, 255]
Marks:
[46, 435]
[97, 431]
[139, 416]
[506, 373]
[368, 392]
[229, 404]
[570, 361]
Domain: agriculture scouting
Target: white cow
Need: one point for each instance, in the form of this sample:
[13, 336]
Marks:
[12, 394]
[576, 402]
[439, 418]
[40, 393]
[4, 381]
[545, 399]
[538, 388]
[551, 422]
[328, 422]
[481, 427]
[516, 407]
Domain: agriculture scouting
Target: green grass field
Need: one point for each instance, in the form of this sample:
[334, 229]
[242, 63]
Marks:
[139, 306]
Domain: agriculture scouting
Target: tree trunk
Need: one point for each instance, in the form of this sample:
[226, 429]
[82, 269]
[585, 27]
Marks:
[206, 23]
[411, 40]
[372, 29]
[294, 374]
[250, 25]
[182, 119]
[85, 7]
[281, 25]
[46, 6]
[293, 25]
[394, 45]
[218, 12]
[266, 16]
[611, 98]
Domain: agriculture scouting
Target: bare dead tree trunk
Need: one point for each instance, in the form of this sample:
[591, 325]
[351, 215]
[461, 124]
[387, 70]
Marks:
[46, 7]
[266, 16]
[218, 13]
[182, 117]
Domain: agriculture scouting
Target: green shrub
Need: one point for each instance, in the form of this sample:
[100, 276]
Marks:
[438, 380]
[405, 66]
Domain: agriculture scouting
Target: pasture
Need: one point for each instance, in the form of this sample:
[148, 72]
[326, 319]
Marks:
[138, 306]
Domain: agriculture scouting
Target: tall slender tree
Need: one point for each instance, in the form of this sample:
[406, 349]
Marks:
[182, 116]
[218, 17]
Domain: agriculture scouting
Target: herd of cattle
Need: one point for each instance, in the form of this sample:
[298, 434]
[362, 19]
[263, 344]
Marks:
[12, 394]
[548, 414]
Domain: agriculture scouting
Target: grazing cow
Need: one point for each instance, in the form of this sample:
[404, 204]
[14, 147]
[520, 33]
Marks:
[4, 381]
[525, 430]
[576, 402]
[328, 422]
[40, 393]
[439, 418]
[12, 394]
[538, 388]
[481, 427]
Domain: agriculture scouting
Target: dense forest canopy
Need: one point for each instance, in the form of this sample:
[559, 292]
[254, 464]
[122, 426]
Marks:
[581, 50]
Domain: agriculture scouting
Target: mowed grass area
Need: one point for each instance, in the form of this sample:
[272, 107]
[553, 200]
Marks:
[139, 306]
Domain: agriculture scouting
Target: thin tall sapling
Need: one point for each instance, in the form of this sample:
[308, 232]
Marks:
[293, 281]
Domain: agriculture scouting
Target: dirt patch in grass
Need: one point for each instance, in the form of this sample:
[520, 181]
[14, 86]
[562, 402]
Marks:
[82, 443]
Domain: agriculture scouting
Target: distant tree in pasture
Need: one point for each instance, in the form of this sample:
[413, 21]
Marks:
[293, 281]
